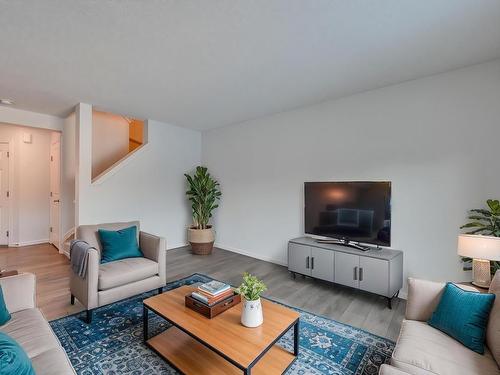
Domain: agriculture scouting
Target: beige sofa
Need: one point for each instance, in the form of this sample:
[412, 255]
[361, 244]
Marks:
[423, 350]
[110, 282]
[30, 329]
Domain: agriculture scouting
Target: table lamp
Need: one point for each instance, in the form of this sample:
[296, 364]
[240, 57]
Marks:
[481, 249]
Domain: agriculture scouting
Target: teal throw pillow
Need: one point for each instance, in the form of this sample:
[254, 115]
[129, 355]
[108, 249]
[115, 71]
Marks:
[4, 313]
[463, 315]
[119, 244]
[13, 359]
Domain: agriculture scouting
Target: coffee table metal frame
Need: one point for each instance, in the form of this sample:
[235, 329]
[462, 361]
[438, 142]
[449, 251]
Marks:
[246, 370]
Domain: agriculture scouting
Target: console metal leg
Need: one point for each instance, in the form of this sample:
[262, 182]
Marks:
[389, 300]
[89, 316]
[296, 339]
[145, 323]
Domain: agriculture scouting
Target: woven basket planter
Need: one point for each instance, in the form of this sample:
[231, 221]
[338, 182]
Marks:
[201, 240]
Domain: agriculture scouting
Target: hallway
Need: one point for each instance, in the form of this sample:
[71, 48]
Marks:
[52, 276]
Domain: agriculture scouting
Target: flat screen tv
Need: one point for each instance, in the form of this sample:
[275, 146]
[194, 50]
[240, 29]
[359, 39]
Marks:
[349, 211]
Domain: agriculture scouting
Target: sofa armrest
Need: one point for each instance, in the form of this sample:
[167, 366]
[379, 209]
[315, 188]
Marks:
[390, 370]
[155, 248]
[19, 291]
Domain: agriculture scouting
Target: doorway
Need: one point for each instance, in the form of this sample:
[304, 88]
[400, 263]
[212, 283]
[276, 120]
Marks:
[55, 186]
[30, 186]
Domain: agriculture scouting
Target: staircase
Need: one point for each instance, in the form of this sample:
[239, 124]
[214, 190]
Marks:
[114, 139]
[66, 244]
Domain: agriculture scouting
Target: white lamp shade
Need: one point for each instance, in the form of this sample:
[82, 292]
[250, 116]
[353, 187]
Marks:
[479, 247]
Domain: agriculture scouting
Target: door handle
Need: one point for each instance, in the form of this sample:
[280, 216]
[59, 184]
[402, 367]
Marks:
[56, 200]
[355, 273]
[360, 273]
[312, 263]
[307, 262]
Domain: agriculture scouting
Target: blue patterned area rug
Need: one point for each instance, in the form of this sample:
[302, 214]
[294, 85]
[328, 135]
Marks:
[112, 344]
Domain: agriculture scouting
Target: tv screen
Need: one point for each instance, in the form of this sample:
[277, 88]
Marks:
[354, 211]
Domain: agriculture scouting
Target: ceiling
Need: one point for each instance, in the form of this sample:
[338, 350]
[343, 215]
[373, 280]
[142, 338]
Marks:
[204, 64]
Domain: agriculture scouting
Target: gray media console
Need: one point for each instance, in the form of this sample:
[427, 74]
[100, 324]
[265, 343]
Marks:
[378, 271]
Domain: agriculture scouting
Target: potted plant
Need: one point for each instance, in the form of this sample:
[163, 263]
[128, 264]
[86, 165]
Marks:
[485, 221]
[203, 192]
[250, 289]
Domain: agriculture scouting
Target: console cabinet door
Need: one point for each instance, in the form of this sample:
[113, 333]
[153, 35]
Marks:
[374, 275]
[322, 264]
[299, 259]
[346, 269]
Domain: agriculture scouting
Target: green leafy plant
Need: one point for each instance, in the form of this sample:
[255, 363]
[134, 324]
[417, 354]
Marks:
[203, 192]
[251, 288]
[485, 221]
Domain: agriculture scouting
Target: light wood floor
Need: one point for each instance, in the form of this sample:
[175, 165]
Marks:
[360, 309]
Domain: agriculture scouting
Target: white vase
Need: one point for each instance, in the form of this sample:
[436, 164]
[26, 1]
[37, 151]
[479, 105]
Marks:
[251, 314]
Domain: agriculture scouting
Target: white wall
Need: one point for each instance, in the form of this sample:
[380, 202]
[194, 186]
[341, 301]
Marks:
[148, 186]
[31, 185]
[110, 140]
[68, 153]
[16, 116]
[436, 139]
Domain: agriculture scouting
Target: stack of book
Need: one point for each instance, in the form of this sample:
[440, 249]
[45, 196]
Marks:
[212, 292]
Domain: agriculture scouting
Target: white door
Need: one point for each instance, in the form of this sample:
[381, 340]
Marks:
[4, 193]
[347, 269]
[55, 184]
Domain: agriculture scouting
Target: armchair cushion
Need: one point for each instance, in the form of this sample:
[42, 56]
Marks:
[125, 271]
[119, 244]
[470, 312]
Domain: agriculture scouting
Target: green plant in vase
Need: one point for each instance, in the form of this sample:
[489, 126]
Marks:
[251, 289]
[204, 194]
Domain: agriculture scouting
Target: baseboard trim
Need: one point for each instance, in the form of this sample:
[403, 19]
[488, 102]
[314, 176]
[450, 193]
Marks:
[30, 243]
[176, 246]
[250, 254]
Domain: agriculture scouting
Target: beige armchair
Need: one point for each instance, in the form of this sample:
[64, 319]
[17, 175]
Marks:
[110, 282]
[424, 350]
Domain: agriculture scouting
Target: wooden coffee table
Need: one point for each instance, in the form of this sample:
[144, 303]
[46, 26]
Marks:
[198, 345]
